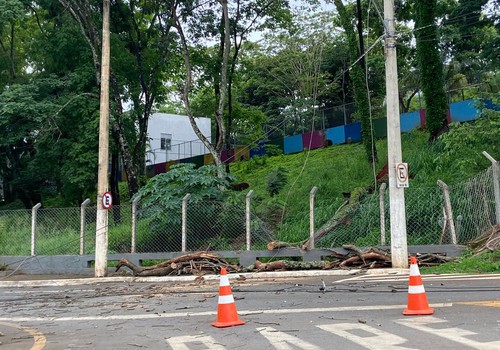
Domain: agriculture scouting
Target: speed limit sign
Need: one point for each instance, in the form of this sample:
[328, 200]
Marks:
[107, 200]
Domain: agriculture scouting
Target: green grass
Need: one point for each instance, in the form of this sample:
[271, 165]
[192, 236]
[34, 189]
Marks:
[486, 262]
[336, 170]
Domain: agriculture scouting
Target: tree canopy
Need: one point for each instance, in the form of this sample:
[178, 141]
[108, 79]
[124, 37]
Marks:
[258, 68]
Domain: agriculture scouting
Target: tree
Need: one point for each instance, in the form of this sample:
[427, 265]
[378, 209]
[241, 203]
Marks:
[143, 38]
[466, 38]
[45, 141]
[357, 75]
[222, 86]
[161, 202]
[248, 16]
[285, 77]
[11, 14]
[430, 68]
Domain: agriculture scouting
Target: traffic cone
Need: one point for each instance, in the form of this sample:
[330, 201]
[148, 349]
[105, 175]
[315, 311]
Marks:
[417, 300]
[227, 316]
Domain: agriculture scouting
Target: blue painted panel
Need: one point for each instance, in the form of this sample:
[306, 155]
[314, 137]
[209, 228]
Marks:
[410, 121]
[336, 135]
[463, 111]
[353, 132]
[490, 105]
[257, 150]
[293, 144]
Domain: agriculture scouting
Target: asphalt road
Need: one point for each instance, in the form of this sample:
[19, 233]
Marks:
[322, 312]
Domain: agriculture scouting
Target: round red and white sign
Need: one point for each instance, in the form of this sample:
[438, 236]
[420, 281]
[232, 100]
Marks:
[107, 200]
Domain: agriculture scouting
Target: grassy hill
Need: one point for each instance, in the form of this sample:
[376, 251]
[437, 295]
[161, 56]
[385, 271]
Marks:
[341, 169]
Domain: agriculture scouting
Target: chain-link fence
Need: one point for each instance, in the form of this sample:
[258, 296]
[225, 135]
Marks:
[434, 215]
[430, 218]
[205, 225]
[15, 232]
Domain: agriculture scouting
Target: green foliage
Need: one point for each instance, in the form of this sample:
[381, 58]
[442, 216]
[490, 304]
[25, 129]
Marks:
[357, 76]
[276, 180]
[46, 145]
[168, 189]
[464, 143]
[430, 67]
[486, 262]
[248, 123]
[273, 150]
[161, 201]
[338, 169]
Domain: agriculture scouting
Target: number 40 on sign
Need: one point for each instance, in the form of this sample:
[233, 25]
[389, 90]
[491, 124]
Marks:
[402, 175]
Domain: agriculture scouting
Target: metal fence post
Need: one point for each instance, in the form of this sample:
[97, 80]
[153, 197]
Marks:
[311, 217]
[448, 210]
[83, 222]
[247, 216]
[184, 219]
[382, 213]
[134, 223]
[496, 184]
[34, 211]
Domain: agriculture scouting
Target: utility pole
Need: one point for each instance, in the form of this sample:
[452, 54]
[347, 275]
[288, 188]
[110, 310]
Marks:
[399, 248]
[101, 233]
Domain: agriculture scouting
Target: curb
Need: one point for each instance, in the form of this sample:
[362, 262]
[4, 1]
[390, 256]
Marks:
[247, 275]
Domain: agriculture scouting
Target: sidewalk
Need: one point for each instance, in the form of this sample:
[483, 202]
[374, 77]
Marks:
[63, 280]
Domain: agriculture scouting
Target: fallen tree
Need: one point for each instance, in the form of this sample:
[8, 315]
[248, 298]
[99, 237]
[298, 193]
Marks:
[341, 216]
[199, 263]
[488, 241]
[202, 263]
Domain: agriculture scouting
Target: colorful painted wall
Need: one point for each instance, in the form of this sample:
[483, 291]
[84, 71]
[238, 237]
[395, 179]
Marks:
[462, 111]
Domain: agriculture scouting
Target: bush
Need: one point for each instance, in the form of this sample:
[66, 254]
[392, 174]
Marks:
[276, 180]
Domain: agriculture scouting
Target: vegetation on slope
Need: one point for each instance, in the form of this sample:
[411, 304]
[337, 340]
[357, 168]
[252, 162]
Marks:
[339, 170]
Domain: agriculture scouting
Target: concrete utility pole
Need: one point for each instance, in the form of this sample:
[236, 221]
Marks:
[399, 248]
[101, 232]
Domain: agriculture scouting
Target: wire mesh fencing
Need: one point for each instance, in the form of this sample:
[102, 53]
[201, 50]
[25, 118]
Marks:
[434, 215]
[201, 225]
[57, 231]
[15, 232]
[441, 214]
[473, 203]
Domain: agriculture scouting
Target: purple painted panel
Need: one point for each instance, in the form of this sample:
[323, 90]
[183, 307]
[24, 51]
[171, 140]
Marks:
[227, 156]
[313, 140]
[423, 112]
[160, 168]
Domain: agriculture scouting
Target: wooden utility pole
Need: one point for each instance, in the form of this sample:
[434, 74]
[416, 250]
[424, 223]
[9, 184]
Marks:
[101, 233]
[399, 248]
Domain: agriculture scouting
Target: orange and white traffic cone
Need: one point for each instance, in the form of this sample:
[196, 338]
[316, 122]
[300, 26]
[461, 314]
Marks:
[227, 315]
[417, 300]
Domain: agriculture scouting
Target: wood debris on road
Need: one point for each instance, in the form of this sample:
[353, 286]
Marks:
[202, 263]
[199, 263]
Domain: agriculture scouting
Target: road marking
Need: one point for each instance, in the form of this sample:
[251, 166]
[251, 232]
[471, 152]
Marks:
[38, 337]
[282, 340]
[372, 338]
[180, 343]
[427, 324]
[212, 313]
[494, 303]
[460, 277]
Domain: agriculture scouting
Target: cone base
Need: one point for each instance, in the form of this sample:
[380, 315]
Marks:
[427, 311]
[227, 324]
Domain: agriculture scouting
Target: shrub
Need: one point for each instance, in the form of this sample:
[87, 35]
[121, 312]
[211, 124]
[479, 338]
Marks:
[276, 180]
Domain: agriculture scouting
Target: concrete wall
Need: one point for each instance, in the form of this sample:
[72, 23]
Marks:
[82, 264]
